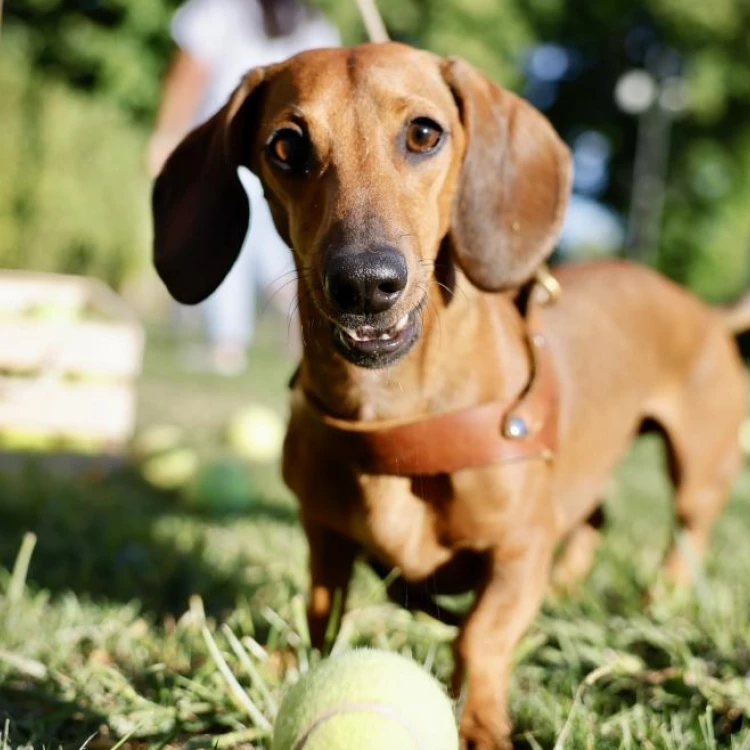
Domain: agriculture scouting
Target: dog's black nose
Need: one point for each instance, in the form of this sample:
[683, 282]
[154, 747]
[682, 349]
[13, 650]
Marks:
[365, 282]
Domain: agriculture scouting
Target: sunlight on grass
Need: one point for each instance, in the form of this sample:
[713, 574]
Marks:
[595, 668]
[127, 617]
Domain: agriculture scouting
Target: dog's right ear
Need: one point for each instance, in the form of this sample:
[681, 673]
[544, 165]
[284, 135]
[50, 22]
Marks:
[514, 184]
[200, 209]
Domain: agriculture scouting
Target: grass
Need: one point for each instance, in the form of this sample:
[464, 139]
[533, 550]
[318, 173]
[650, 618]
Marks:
[128, 620]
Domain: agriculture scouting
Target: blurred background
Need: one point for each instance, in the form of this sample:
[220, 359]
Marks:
[107, 578]
[652, 95]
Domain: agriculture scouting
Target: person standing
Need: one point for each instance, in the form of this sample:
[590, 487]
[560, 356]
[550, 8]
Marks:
[218, 41]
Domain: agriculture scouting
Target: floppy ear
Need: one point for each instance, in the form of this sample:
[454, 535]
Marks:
[200, 208]
[514, 183]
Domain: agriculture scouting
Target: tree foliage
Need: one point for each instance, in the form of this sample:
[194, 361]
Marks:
[114, 49]
[73, 191]
[113, 53]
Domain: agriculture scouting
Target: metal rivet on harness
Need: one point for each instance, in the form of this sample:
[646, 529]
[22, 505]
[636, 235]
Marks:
[548, 285]
[515, 428]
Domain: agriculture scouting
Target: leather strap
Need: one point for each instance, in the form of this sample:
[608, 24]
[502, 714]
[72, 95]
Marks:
[491, 433]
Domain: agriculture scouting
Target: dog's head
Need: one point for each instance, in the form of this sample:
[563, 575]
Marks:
[371, 158]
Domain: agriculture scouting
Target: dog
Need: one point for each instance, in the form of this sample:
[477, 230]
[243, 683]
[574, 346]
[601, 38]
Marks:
[457, 410]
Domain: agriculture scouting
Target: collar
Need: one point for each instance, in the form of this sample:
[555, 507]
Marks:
[495, 432]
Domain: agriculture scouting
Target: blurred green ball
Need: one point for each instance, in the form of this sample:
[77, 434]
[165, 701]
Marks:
[221, 485]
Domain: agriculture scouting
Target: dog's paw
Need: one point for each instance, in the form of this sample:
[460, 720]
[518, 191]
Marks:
[477, 733]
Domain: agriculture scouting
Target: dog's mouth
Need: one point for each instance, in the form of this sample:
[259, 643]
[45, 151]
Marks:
[375, 346]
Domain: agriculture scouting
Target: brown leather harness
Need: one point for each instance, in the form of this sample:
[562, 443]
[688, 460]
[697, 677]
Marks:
[495, 432]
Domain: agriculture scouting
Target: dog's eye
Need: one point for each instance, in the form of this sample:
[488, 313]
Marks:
[290, 149]
[423, 135]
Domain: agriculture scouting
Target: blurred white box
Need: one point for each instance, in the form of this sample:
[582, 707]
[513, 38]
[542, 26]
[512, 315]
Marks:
[71, 353]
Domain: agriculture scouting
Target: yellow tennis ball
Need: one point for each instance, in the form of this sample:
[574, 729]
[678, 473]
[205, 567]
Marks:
[170, 470]
[366, 700]
[155, 439]
[256, 433]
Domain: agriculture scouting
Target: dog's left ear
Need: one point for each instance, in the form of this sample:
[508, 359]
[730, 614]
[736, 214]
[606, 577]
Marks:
[514, 183]
[200, 209]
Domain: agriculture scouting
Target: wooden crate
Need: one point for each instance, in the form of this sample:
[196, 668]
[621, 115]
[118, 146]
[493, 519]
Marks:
[71, 353]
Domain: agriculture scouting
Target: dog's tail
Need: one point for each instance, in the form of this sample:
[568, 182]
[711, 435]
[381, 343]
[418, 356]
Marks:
[737, 316]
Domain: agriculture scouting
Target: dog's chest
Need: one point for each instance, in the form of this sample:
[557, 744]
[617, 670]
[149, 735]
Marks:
[418, 524]
[381, 513]
[414, 523]
[405, 529]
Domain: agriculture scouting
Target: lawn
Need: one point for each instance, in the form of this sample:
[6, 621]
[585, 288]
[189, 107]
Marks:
[134, 617]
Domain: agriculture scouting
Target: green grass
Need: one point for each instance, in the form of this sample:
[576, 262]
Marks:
[131, 606]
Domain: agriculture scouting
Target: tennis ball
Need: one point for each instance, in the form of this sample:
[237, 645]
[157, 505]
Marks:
[155, 439]
[366, 700]
[256, 433]
[170, 470]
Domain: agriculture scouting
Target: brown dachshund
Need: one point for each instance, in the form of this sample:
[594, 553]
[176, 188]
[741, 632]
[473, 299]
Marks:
[447, 419]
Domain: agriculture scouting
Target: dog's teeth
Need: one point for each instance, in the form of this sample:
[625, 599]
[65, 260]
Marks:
[401, 323]
[360, 334]
[368, 333]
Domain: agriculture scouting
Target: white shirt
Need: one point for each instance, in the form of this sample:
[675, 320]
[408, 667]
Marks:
[228, 37]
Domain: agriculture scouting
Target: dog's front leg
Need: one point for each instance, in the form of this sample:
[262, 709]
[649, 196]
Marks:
[332, 557]
[517, 577]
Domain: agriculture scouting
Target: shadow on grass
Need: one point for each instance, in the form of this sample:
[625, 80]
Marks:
[99, 536]
[34, 716]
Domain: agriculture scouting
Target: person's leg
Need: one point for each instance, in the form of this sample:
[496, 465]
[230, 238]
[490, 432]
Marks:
[265, 264]
[274, 272]
[229, 313]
